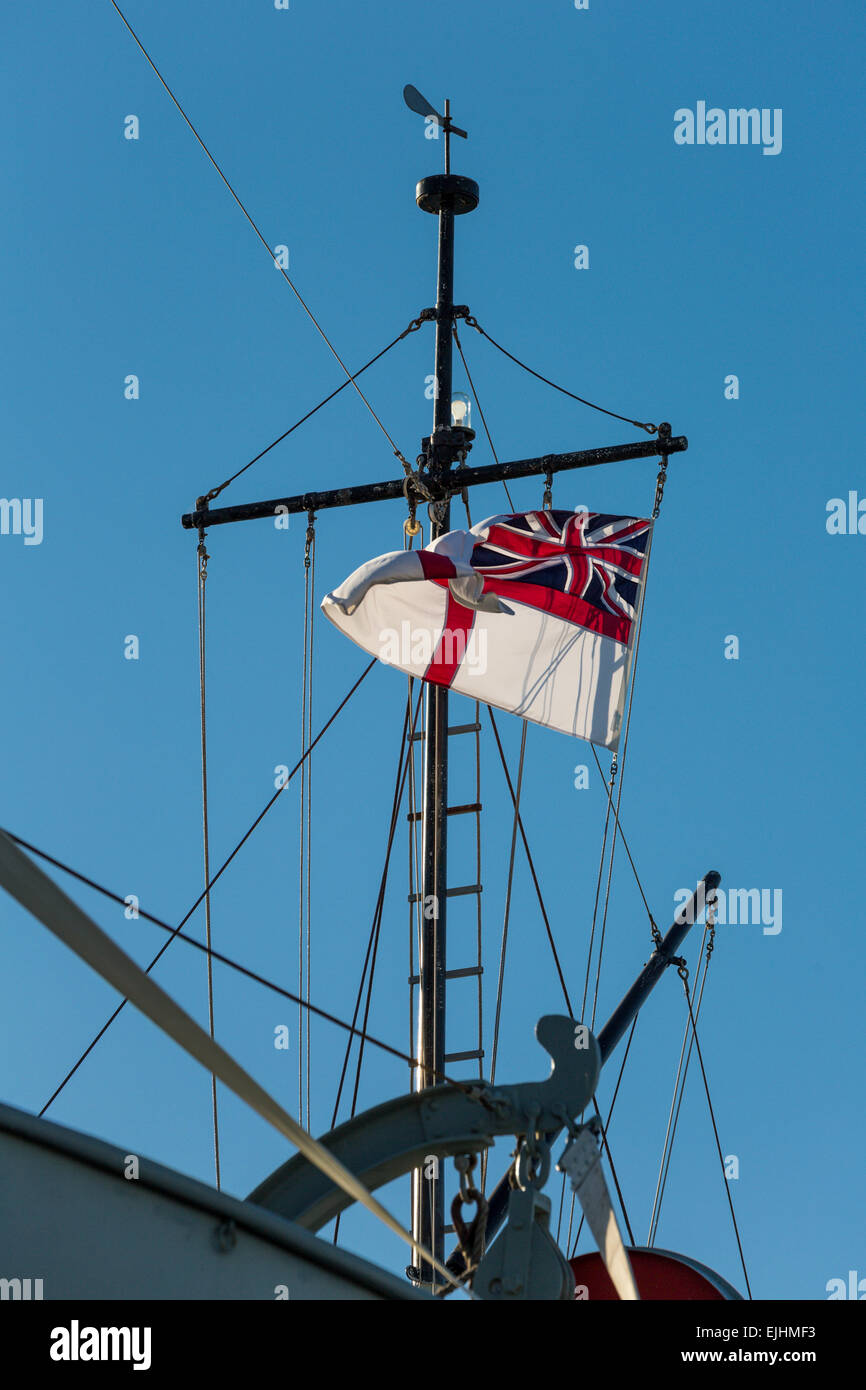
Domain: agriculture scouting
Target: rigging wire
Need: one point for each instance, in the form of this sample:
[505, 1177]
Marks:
[606, 1146]
[36, 892]
[639, 424]
[202, 561]
[305, 874]
[677, 1100]
[531, 864]
[518, 824]
[215, 492]
[261, 238]
[479, 954]
[622, 771]
[202, 895]
[613, 769]
[504, 940]
[373, 939]
[604, 914]
[177, 934]
[480, 412]
[402, 769]
[683, 973]
[606, 1129]
[625, 844]
[415, 908]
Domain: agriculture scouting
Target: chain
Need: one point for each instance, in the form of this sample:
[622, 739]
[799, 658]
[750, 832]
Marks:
[547, 501]
[310, 538]
[203, 557]
[711, 930]
[424, 317]
[660, 485]
[664, 433]
[470, 1238]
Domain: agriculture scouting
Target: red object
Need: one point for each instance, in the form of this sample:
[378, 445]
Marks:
[659, 1274]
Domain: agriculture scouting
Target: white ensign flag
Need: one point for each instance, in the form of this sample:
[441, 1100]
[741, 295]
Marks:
[533, 613]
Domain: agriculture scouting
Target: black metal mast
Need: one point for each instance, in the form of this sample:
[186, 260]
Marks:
[446, 196]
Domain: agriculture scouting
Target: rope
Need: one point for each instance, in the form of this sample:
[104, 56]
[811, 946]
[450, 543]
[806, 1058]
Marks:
[531, 864]
[683, 972]
[660, 482]
[504, 940]
[480, 411]
[202, 895]
[177, 934]
[373, 940]
[606, 1128]
[613, 1172]
[395, 808]
[305, 874]
[639, 424]
[307, 310]
[203, 558]
[621, 772]
[613, 767]
[413, 327]
[676, 1104]
[626, 845]
[479, 954]
[604, 913]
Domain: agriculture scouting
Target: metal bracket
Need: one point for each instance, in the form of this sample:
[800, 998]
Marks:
[525, 1263]
[440, 1121]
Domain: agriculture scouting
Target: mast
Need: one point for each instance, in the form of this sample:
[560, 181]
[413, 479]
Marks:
[446, 196]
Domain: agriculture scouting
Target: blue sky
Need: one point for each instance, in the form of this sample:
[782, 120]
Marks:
[129, 257]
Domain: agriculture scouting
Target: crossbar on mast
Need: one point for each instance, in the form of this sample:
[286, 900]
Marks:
[437, 487]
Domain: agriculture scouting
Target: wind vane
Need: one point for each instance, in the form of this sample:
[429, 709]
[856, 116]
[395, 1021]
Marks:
[416, 102]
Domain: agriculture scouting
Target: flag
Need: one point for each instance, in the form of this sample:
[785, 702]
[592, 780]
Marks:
[533, 613]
